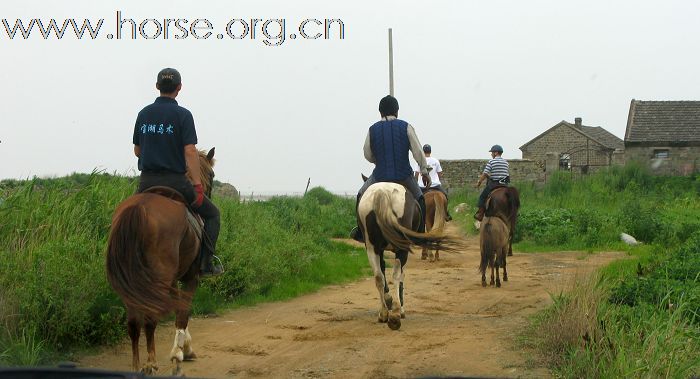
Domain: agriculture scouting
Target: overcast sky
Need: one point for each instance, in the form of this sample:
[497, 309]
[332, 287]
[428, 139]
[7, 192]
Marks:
[468, 74]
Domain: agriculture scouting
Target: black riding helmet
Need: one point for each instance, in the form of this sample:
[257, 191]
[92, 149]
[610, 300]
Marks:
[388, 106]
[497, 149]
[427, 149]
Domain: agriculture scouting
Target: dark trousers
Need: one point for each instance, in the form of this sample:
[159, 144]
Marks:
[490, 185]
[180, 183]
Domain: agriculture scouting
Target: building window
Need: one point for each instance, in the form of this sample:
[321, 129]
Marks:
[565, 162]
[661, 153]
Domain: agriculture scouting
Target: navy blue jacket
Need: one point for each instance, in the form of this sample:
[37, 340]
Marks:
[390, 146]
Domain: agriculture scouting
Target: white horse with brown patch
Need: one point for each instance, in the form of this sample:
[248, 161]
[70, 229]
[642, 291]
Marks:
[389, 217]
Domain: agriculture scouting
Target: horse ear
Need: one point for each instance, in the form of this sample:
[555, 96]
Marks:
[364, 178]
[210, 154]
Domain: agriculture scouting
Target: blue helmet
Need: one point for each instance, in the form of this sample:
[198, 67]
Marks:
[497, 149]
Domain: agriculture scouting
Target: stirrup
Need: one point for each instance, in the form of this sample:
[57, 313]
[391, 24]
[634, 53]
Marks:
[213, 269]
[356, 234]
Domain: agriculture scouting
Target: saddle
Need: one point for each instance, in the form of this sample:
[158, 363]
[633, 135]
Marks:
[193, 219]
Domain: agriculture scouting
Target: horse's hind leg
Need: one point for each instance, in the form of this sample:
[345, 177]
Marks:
[403, 259]
[379, 281]
[182, 346]
[387, 296]
[151, 367]
[394, 321]
[505, 273]
[133, 326]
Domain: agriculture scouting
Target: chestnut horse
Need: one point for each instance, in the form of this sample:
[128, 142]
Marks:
[389, 217]
[493, 240]
[504, 202]
[435, 218]
[153, 245]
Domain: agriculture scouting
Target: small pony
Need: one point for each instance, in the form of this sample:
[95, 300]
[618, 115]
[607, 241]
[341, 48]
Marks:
[435, 218]
[504, 202]
[389, 215]
[153, 245]
[493, 239]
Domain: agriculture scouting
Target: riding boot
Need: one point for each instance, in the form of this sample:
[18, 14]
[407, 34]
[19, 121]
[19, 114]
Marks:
[448, 217]
[207, 266]
[480, 214]
[356, 232]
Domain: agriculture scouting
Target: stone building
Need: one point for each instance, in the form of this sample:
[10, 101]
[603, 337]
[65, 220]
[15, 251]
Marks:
[577, 147]
[664, 135]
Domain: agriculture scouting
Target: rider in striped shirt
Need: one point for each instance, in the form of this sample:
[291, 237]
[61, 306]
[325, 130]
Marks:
[496, 173]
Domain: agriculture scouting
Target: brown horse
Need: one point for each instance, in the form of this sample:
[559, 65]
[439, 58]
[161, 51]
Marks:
[493, 239]
[389, 215]
[435, 217]
[152, 246]
[504, 202]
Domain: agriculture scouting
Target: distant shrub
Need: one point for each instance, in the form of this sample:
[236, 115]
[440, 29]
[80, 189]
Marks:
[640, 219]
[321, 195]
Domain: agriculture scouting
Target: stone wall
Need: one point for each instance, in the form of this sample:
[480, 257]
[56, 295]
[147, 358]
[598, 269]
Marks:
[681, 160]
[465, 172]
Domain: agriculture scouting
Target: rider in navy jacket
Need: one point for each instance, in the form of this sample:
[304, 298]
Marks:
[387, 145]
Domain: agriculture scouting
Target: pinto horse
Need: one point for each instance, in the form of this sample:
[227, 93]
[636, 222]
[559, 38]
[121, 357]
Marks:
[153, 245]
[504, 202]
[389, 217]
[435, 218]
[493, 240]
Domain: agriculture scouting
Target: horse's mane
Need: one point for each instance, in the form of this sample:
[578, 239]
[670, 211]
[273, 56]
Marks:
[206, 171]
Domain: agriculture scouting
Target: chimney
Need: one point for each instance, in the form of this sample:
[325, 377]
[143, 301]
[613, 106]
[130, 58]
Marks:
[577, 121]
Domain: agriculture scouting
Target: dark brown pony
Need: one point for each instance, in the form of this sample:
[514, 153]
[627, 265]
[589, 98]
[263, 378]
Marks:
[435, 217]
[152, 246]
[493, 240]
[389, 217]
[504, 202]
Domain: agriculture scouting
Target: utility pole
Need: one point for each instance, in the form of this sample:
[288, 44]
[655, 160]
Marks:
[391, 65]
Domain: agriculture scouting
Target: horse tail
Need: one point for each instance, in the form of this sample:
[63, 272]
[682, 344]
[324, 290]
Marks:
[440, 213]
[400, 236]
[127, 270]
[392, 230]
[487, 246]
[514, 205]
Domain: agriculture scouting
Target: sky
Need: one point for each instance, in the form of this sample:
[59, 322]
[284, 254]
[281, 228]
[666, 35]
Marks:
[468, 74]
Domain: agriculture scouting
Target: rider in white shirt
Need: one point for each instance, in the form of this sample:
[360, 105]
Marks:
[435, 172]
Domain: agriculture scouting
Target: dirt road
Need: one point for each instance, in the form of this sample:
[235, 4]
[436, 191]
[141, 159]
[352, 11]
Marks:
[453, 326]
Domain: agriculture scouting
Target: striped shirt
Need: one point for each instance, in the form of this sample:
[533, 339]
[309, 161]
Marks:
[497, 169]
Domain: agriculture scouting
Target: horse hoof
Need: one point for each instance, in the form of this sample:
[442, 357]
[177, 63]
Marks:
[394, 323]
[190, 356]
[510, 253]
[483, 284]
[150, 369]
[403, 315]
[498, 284]
[505, 278]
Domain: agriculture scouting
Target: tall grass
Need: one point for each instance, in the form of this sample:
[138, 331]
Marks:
[640, 317]
[54, 295]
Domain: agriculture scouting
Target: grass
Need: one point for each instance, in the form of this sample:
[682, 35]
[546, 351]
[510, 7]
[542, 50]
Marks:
[638, 317]
[53, 236]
